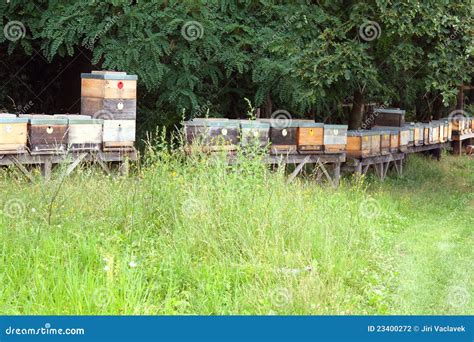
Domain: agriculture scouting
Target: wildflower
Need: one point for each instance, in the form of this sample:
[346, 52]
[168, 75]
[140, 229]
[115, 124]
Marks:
[33, 210]
[106, 268]
[132, 264]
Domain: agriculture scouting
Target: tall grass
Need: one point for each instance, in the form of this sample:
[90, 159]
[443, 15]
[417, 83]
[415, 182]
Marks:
[192, 235]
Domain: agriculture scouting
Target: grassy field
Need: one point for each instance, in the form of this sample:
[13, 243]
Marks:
[195, 237]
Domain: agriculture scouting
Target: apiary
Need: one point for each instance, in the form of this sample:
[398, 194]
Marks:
[46, 134]
[109, 95]
[84, 134]
[13, 134]
[394, 117]
[310, 137]
[212, 135]
[335, 138]
[254, 133]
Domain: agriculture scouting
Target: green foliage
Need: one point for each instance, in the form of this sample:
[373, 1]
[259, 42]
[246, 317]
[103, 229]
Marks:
[300, 56]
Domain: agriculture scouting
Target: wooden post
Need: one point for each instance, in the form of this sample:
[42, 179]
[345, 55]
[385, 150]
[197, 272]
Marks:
[46, 169]
[337, 174]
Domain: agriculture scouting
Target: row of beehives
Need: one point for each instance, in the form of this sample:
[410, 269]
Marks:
[43, 134]
[305, 136]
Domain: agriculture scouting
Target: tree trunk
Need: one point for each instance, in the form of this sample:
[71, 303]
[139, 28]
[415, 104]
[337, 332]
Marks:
[355, 119]
[460, 97]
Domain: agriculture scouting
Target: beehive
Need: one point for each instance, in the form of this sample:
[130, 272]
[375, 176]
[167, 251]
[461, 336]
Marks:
[411, 134]
[46, 134]
[394, 140]
[13, 134]
[393, 117]
[459, 124]
[213, 135]
[375, 143]
[384, 142]
[84, 133]
[118, 135]
[358, 144]
[418, 134]
[254, 133]
[310, 137]
[283, 136]
[109, 95]
[428, 134]
[436, 129]
[335, 138]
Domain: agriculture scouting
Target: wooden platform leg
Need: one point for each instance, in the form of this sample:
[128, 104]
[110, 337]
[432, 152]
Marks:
[297, 170]
[358, 171]
[337, 174]
[22, 168]
[46, 169]
[124, 168]
[75, 163]
[326, 173]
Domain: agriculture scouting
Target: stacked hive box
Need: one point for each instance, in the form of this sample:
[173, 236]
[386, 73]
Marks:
[359, 144]
[111, 96]
[13, 134]
[384, 142]
[394, 117]
[46, 134]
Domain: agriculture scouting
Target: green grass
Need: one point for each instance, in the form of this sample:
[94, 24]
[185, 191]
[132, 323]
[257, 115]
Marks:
[193, 236]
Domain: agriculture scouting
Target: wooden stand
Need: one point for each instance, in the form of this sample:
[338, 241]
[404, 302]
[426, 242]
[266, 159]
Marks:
[300, 160]
[47, 161]
[458, 141]
[381, 164]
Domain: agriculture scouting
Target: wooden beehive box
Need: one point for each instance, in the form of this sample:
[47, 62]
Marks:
[394, 140]
[109, 95]
[213, 135]
[118, 135]
[84, 133]
[254, 133]
[375, 143]
[358, 144]
[384, 142]
[436, 129]
[428, 134]
[46, 134]
[419, 134]
[335, 138]
[459, 124]
[13, 134]
[394, 117]
[283, 137]
[411, 133]
[310, 137]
